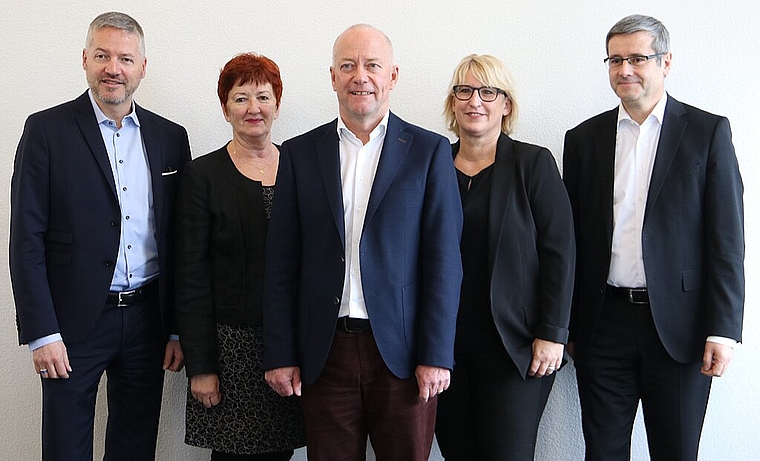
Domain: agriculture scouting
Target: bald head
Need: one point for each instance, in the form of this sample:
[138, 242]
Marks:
[359, 32]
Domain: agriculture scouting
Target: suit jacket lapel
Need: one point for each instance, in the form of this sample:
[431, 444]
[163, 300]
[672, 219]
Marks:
[152, 141]
[502, 186]
[604, 150]
[328, 158]
[88, 125]
[395, 148]
[673, 126]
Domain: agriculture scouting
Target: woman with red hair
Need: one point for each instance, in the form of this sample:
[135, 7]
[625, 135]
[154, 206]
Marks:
[223, 210]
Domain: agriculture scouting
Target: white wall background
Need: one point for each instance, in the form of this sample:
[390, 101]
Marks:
[554, 50]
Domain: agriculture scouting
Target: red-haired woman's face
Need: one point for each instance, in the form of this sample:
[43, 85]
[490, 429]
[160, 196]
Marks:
[250, 109]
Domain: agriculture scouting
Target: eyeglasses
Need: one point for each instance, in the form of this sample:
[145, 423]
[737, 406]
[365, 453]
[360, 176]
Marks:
[486, 93]
[637, 60]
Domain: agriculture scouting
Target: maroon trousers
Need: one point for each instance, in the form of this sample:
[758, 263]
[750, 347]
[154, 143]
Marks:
[355, 396]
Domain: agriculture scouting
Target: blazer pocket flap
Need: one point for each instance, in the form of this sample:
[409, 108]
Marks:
[691, 280]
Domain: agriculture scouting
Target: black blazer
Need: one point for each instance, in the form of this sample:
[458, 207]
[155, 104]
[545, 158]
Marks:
[65, 218]
[221, 226]
[411, 265]
[693, 233]
[531, 250]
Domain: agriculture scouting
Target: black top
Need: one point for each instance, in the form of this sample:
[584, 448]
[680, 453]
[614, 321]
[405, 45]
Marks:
[476, 331]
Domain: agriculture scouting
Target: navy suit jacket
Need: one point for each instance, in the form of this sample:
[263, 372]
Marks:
[410, 260]
[65, 218]
[531, 250]
[692, 236]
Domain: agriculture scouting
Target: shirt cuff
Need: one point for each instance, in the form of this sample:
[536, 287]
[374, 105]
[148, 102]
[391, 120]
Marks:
[721, 340]
[44, 341]
[174, 337]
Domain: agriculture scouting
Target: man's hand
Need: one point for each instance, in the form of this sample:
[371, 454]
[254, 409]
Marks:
[174, 359]
[205, 389]
[285, 381]
[51, 361]
[432, 381]
[716, 359]
[547, 358]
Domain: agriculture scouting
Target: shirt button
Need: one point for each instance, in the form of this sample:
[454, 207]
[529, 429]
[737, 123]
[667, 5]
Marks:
[126, 217]
[124, 188]
[129, 247]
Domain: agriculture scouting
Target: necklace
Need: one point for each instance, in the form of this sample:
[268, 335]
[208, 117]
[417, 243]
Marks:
[260, 168]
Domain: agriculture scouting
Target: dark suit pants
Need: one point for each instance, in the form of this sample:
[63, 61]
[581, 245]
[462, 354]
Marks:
[356, 395]
[627, 363]
[489, 413]
[127, 343]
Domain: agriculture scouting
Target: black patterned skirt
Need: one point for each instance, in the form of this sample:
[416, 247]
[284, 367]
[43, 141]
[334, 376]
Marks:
[251, 418]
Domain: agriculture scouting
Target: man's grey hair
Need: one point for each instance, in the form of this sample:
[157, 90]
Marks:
[640, 23]
[116, 20]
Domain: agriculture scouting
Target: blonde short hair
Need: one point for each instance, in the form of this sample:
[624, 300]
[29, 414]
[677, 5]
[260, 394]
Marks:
[490, 72]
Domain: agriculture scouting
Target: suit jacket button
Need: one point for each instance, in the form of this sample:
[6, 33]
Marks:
[336, 300]
[109, 264]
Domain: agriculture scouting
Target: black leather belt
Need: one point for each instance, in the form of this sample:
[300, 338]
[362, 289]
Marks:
[632, 295]
[125, 298]
[353, 325]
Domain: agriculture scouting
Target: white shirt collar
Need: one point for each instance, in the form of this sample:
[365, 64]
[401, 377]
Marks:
[658, 112]
[380, 128]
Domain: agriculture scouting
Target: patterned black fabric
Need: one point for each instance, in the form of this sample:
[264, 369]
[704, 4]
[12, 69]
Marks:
[251, 418]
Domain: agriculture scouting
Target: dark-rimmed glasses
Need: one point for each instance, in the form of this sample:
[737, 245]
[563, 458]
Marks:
[486, 93]
[636, 60]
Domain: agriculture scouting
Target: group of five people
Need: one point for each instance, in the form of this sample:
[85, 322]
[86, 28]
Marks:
[401, 286]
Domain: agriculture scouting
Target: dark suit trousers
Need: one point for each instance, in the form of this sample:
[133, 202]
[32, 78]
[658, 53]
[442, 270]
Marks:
[356, 395]
[489, 413]
[127, 344]
[627, 363]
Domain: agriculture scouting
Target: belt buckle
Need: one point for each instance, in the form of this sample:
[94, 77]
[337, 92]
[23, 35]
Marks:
[633, 299]
[122, 294]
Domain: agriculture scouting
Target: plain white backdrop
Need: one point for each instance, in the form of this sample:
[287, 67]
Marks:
[554, 50]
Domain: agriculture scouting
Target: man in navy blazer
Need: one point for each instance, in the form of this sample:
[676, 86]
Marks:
[363, 268]
[659, 293]
[91, 266]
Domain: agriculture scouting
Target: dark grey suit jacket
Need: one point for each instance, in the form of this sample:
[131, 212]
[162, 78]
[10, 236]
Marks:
[693, 233]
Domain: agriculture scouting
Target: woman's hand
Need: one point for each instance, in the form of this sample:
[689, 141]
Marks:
[205, 389]
[547, 358]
